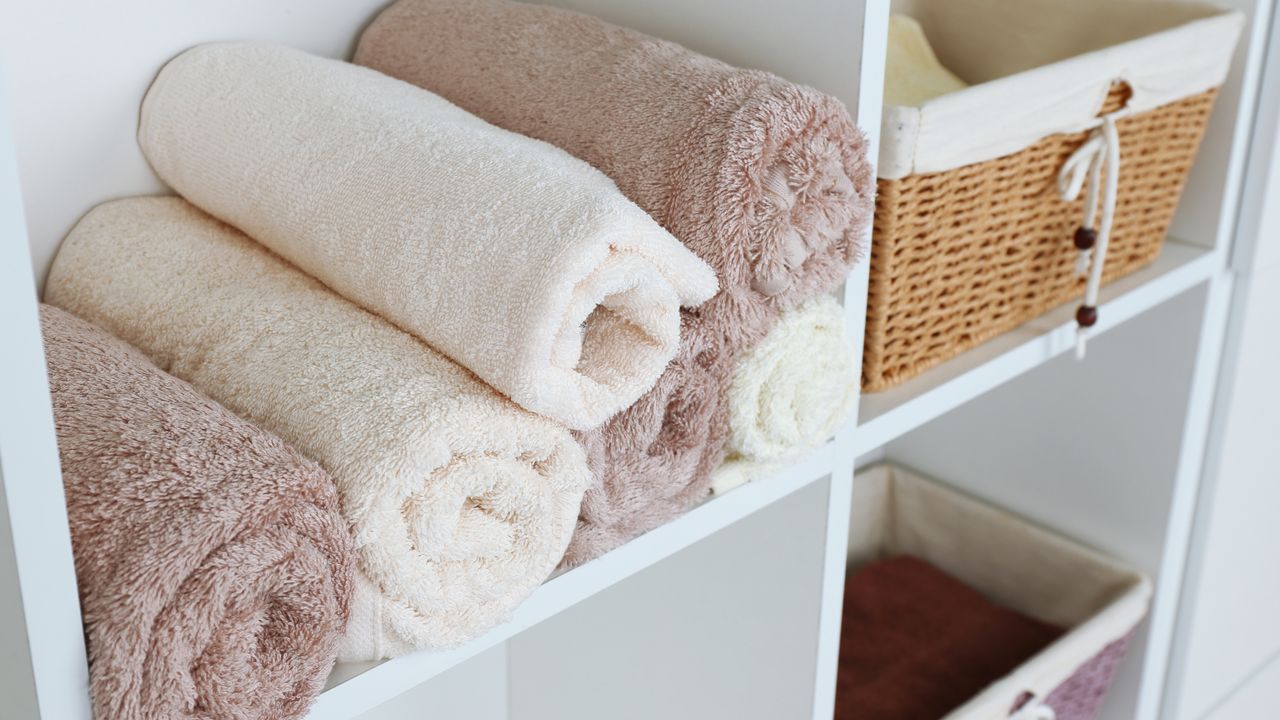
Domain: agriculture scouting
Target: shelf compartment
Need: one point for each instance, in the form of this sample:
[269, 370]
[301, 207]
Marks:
[358, 687]
[887, 415]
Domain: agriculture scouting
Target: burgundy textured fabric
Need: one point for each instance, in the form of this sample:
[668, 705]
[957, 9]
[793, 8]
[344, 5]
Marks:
[766, 181]
[214, 569]
[917, 643]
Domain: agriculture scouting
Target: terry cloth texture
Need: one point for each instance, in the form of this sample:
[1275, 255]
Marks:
[765, 180]
[460, 502]
[654, 461]
[515, 259]
[793, 389]
[916, 643]
[214, 567]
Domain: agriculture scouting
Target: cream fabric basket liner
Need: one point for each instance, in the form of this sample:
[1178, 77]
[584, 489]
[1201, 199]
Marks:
[1042, 67]
[1011, 562]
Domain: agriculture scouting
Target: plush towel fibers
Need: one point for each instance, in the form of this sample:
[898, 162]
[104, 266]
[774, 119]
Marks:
[653, 462]
[518, 261]
[765, 180]
[460, 502]
[916, 643]
[793, 389]
[912, 71]
[214, 568]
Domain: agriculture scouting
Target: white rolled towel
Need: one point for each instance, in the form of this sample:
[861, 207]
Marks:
[460, 502]
[520, 262]
[796, 387]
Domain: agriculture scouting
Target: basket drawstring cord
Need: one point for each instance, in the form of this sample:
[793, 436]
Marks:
[1101, 151]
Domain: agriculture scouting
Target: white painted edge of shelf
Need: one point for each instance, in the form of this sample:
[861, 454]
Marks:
[358, 687]
[887, 415]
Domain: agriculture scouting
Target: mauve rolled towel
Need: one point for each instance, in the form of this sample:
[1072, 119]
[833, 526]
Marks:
[214, 568]
[653, 462]
[765, 180]
[917, 643]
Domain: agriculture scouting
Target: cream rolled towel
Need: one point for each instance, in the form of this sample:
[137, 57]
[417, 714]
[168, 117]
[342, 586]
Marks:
[766, 180]
[796, 387]
[460, 502]
[913, 73]
[522, 263]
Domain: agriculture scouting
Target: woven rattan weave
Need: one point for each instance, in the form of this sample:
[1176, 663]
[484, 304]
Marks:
[963, 255]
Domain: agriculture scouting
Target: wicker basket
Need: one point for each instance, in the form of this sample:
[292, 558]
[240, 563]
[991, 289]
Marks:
[965, 253]
[1017, 565]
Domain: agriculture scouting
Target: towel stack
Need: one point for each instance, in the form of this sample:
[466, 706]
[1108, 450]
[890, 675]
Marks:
[765, 180]
[500, 357]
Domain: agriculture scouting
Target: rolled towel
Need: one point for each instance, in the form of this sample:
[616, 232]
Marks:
[460, 502]
[213, 565]
[796, 387]
[913, 73]
[653, 462]
[765, 180]
[516, 260]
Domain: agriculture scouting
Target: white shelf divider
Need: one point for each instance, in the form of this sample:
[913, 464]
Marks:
[43, 671]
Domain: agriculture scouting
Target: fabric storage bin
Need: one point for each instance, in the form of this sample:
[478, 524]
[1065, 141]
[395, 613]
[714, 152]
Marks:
[973, 234]
[1020, 566]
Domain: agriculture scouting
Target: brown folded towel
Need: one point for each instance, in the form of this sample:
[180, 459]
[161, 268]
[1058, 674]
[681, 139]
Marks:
[214, 569]
[765, 180]
[917, 643]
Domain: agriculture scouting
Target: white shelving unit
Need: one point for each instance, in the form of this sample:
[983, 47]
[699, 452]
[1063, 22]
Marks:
[1108, 450]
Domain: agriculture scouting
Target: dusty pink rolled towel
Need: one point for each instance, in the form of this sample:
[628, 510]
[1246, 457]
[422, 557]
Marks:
[653, 462]
[214, 568]
[765, 180]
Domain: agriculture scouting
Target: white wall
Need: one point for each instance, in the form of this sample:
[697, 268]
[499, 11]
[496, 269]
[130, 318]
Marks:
[1235, 603]
[76, 73]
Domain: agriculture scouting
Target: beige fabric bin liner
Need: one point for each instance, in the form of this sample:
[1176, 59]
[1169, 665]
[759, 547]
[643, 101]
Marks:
[1041, 67]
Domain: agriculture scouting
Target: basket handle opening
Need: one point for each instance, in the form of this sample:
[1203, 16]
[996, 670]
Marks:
[1117, 97]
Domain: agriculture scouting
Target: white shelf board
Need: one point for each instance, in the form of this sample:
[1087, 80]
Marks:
[358, 687]
[887, 415]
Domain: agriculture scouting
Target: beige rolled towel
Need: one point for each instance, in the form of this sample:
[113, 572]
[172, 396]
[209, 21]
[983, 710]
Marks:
[520, 262]
[460, 502]
[913, 73]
